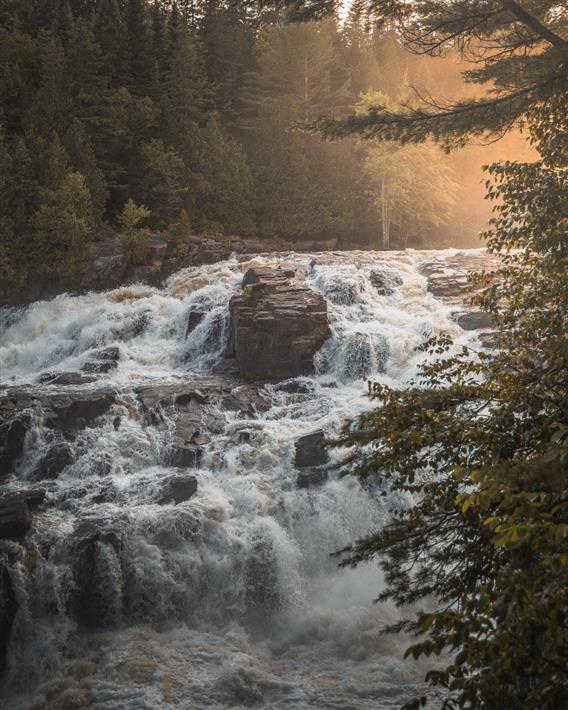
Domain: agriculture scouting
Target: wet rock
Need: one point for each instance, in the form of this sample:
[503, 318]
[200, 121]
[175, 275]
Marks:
[103, 360]
[32, 497]
[278, 326]
[108, 266]
[310, 477]
[97, 574]
[193, 320]
[474, 320]
[12, 439]
[178, 489]
[8, 609]
[185, 455]
[442, 286]
[341, 292]
[247, 399]
[55, 460]
[489, 340]
[310, 451]
[65, 378]
[295, 387]
[244, 437]
[385, 282]
[15, 520]
[448, 275]
[72, 412]
[261, 583]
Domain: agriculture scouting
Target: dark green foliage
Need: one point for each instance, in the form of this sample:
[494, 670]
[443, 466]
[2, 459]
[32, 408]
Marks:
[480, 442]
[195, 107]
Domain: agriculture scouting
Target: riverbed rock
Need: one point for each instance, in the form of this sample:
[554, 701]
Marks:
[12, 439]
[65, 378]
[53, 462]
[193, 320]
[103, 361]
[8, 609]
[489, 340]
[474, 320]
[108, 266]
[278, 326]
[310, 477]
[385, 281]
[178, 489]
[97, 545]
[70, 412]
[15, 520]
[310, 451]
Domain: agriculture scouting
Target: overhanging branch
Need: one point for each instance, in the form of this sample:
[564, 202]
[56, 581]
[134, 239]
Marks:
[535, 24]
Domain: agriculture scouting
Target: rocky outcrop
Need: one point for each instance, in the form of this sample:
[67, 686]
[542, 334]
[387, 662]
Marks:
[65, 378]
[107, 267]
[15, 520]
[12, 437]
[474, 320]
[278, 325]
[311, 457]
[448, 276]
[8, 609]
[178, 489]
[193, 320]
[310, 450]
[66, 411]
[196, 409]
[53, 462]
[384, 281]
[102, 361]
[96, 601]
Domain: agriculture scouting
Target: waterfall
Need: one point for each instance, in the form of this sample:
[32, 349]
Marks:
[181, 564]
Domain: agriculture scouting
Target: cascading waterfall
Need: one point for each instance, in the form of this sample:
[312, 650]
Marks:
[228, 597]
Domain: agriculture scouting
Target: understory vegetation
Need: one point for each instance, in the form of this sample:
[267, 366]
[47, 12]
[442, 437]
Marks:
[479, 442]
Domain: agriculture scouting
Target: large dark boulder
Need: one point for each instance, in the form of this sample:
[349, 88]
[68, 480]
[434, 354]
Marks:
[8, 609]
[178, 489]
[475, 320]
[12, 439]
[310, 477]
[15, 520]
[102, 361]
[310, 450]
[385, 281]
[97, 574]
[193, 320]
[53, 462]
[69, 413]
[278, 325]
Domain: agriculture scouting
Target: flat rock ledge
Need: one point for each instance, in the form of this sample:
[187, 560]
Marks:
[278, 325]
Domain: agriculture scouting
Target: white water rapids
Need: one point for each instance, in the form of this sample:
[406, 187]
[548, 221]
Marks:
[229, 599]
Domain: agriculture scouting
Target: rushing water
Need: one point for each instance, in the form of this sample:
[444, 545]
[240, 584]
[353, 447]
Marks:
[229, 599]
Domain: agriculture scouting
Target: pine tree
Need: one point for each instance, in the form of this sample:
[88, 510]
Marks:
[139, 45]
[110, 32]
[82, 157]
[63, 226]
[11, 271]
[50, 109]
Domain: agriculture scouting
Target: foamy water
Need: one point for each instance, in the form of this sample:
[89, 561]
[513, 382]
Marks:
[230, 599]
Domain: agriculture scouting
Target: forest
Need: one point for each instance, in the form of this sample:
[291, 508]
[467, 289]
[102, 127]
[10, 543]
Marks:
[284, 477]
[191, 117]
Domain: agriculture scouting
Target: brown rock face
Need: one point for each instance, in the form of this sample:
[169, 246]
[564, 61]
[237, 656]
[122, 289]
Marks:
[278, 325]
